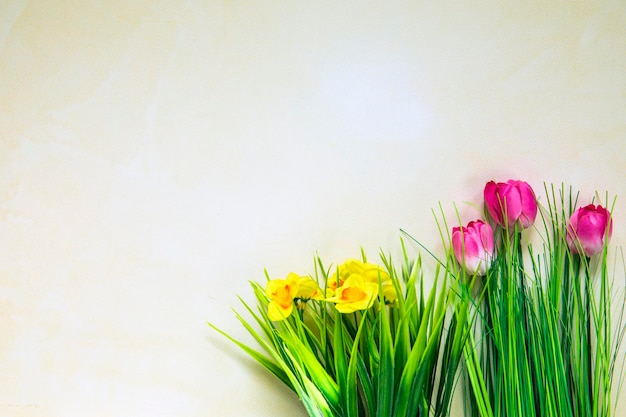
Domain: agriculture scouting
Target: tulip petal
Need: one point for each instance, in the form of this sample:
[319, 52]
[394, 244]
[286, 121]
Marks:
[511, 203]
[492, 201]
[528, 204]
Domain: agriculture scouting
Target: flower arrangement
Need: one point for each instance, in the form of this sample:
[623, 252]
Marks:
[529, 334]
[366, 342]
[548, 345]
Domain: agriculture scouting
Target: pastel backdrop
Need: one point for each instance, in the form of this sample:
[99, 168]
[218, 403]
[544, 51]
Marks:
[155, 156]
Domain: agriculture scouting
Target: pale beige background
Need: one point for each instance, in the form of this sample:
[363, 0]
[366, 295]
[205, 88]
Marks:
[157, 155]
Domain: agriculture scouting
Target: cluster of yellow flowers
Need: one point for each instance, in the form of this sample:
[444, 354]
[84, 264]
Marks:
[354, 286]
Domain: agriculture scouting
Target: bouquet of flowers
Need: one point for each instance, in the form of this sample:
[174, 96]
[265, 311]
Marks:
[361, 339]
[531, 334]
[548, 344]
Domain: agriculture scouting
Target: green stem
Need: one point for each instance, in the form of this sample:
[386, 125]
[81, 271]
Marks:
[588, 294]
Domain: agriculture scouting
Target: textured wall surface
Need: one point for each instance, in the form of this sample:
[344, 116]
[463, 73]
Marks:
[155, 155]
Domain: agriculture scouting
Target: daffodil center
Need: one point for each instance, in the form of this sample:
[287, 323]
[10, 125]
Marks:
[352, 294]
[283, 296]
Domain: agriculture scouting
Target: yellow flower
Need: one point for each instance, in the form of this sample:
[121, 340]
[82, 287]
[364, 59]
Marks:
[367, 271]
[283, 292]
[332, 284]
[355, 294]
[308, 289]
[343, 271]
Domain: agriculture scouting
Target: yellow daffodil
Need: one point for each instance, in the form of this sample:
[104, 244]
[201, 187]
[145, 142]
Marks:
[367, 271]
[389, 292]
[350, 267]
[308, 289]
[283, 292]
[355, 294]
[332, 284]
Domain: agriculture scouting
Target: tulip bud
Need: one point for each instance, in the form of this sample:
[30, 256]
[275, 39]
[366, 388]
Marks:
[587, 230]
[473, 246]
[510, 202]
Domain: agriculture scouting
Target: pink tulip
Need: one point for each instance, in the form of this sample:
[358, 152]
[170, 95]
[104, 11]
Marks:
[510, 202]
[473, 246]
[587, 229]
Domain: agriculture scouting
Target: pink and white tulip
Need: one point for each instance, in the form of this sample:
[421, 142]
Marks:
[473, 246]
[589, 229]
[511, 202]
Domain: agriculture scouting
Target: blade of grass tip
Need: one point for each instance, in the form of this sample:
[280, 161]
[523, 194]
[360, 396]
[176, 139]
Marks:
[262, 320]
[267, 363]
[401, 336]
[325, 317]
[446, 237]
[395, 281]
[428, 251]
[412, 308]
[405, 256]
